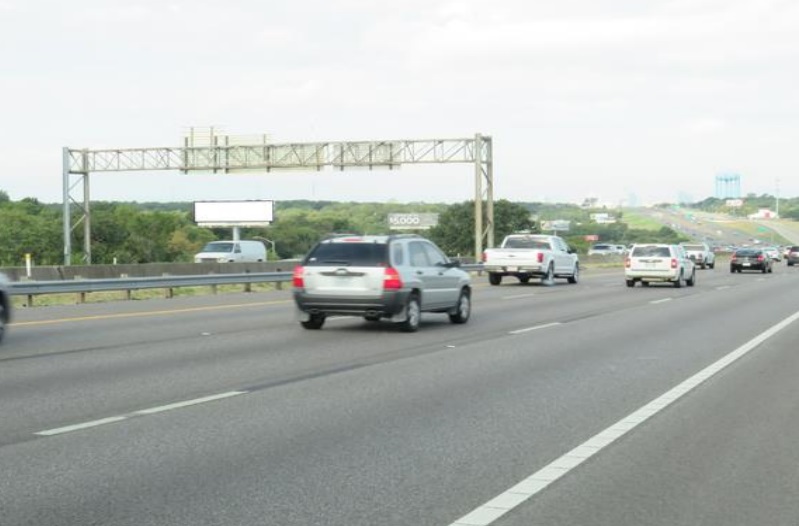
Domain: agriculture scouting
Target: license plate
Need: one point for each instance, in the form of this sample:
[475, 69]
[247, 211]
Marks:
[512, 269]
[747, 264]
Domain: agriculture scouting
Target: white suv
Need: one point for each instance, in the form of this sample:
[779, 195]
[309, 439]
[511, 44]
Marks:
[659, 263]
[395, 278]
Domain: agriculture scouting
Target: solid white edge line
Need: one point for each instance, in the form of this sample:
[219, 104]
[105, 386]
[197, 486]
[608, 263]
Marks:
[186, 403]
[522, 491]
[537, 327]
[84, 425]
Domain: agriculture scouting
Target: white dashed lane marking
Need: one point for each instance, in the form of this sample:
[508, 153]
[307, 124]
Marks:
[537, 327]
[150, 411]
[664, 300]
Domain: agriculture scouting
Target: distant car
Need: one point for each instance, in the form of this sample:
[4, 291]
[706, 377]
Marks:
[648, 263]
[5, 305]
[700, 254]
[750, 259]
[792, 255]
[604, 250]
[393, 278]
[773, 253]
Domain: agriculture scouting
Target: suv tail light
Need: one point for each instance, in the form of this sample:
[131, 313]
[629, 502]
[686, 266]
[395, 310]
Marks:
[483, 257]
[627, 262]
[297, 279]
[540, 257]
[673, 262]
[392, 279]
[760, 257]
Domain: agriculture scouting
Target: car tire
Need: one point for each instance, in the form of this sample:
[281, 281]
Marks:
[630, 283]
[314, 323]
[763, 270]
[678, 282]
[645, 283]
[413, 311]
[524, 279]
[575, 277]
[2, 322]
[692, 281]
[548, 279]
[463, 309]
[790, 264]
[371, 318]
[494, 279]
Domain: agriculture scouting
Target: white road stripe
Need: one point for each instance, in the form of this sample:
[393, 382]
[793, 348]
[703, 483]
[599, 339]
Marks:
[186, 403]
[516, 495]
[84, 425]
[150, 411]
[537, 327]
[664, 300]
[722, 287]
[517, 296]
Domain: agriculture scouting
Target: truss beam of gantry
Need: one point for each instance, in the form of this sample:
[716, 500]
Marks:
[219, 156]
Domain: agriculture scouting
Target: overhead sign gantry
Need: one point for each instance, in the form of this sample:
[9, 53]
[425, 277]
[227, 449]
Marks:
[220, 155]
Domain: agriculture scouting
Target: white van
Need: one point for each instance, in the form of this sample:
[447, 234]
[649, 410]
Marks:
[231, 251]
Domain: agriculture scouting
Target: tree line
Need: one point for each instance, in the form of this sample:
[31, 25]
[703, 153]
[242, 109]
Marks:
[166, 232]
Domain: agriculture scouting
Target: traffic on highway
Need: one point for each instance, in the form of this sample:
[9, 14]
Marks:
[556, 404]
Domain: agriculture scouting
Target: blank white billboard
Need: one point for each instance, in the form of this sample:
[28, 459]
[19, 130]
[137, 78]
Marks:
[233, 213]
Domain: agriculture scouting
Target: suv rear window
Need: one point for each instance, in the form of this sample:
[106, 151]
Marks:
[694, 247]
[651, 251]
[348, 254]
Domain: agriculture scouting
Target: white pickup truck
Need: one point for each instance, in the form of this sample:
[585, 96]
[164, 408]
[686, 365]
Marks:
[530, 255]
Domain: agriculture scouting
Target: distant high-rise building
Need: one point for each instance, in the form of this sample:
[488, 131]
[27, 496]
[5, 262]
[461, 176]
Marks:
[728, 186]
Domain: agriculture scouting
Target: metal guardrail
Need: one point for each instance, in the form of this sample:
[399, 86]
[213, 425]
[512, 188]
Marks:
[83, 286]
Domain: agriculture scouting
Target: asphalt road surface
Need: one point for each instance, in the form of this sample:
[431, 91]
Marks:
[587, 404]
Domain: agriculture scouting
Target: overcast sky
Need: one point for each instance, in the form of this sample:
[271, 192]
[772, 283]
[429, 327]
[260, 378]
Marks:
[628, 100]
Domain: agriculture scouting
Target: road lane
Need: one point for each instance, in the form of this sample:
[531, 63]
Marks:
[355, 424]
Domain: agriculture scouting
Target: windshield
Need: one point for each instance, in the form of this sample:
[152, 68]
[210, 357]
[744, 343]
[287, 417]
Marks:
[694, 247]
[219, 246]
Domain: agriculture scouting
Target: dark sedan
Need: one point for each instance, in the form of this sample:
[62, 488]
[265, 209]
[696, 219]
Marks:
[792, 255]
[750, 259]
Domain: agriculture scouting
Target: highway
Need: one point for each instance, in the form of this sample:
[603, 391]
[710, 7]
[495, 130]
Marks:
[552, 406]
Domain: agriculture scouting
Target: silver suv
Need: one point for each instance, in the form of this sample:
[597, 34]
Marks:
[395, 278]
[5, 305]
